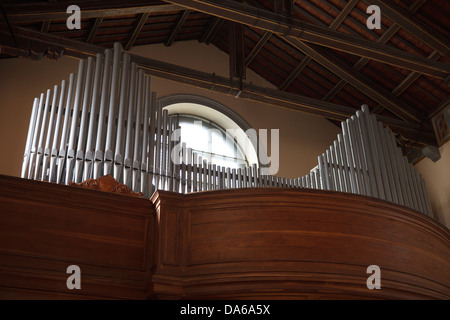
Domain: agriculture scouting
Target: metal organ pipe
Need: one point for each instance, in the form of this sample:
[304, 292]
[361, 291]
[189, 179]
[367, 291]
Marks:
[85, 110]
[90, 147]
[74, 129]
[48, 139]
[106, 120]
[30, 137]
[122, 113]
[129, 144]
[57, 135]
[104, 102]
[110, 132]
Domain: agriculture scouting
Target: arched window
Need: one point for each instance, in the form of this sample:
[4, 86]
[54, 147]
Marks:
[211, 142]
[212, 130]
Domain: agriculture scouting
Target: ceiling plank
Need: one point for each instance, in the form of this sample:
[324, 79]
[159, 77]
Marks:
[293, 27]
[94, 29]
[334, 25]
[357, 80]
[262, 41]
[212, 82]
[142, 20]
[177, 26]
[20, 13]
[409, 22]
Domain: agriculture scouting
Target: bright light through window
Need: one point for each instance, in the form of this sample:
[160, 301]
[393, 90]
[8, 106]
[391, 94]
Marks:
[210, 142]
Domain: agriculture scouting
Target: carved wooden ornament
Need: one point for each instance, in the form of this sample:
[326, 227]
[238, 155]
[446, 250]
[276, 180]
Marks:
[108, 184]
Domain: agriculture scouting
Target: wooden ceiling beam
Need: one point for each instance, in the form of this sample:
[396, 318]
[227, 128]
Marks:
[142, 20]
[357, 80]
[295, 73]
[94, 29]
[45, 25]
[293, 27]
[262, 41]
[34, 12]
[444, 104]
[211, 30]
[284, 6]
[362, 62]
[407, 82]
[212, 82]
[237, 52]
[343, 14]
[177, 26]
[407, 21]
[334, 25]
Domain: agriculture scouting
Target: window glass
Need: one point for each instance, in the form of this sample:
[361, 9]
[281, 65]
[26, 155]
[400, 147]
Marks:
[211, 142]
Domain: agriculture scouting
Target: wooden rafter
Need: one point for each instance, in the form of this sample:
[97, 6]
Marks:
[293, 27]
[45, 25]
[409, 23]
[177, 26]
[295, 73]
[262, 41]
[284, 6]
[407, 82]
[387, 35]
[211, 30]
[356, 79]
[141, 22]
[236, 54]
[334, 25]
[343, 14]
[362, 62]
[94, 29]
[77, 49]
[19, 13]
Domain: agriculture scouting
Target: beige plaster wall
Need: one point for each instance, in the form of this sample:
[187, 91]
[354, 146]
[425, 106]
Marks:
[22, 80]
[437, 180]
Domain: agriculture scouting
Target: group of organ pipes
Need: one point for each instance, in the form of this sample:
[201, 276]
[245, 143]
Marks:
[106, 120]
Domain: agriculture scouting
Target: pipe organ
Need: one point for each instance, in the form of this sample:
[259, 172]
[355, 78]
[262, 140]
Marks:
[105, 120]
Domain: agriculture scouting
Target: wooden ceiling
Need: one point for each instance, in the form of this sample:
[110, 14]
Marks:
[319, 54]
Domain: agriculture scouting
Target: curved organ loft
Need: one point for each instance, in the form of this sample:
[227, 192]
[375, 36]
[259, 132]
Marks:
[98, 173]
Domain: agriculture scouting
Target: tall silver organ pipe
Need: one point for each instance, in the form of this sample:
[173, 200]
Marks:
[106, 120]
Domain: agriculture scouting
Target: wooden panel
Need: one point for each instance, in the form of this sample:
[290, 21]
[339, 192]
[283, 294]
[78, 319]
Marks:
[261, 243]
[45, 227]
[171, 246]
[227, 244]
